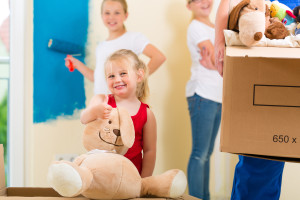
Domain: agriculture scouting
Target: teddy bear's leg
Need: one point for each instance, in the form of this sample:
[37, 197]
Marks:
[170, 184]
[68, 179]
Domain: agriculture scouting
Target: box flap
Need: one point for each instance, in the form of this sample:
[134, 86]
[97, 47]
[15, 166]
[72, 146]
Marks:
[2, 172]
[265, 52]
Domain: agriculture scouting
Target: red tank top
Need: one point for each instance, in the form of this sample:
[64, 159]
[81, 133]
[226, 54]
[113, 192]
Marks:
[135, 152]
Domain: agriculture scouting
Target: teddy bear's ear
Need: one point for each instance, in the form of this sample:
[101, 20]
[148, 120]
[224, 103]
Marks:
[234, 15]
[126, 127]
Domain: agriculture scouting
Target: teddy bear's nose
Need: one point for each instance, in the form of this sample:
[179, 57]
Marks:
[258, 36]
[117, 132]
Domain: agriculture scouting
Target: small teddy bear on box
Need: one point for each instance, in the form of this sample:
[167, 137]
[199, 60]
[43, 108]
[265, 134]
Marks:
[104, 173]
[276, 30]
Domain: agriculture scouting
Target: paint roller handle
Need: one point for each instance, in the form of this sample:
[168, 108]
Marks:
[70, 65]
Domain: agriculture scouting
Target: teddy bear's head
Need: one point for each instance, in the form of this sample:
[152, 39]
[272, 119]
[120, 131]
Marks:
[276, 29]
[116, 133]
[248, 18]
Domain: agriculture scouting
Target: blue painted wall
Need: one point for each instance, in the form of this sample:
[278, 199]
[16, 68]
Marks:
[56, 91]
[290, 3]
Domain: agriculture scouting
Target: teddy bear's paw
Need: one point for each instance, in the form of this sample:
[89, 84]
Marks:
[179, 184]
[64, 179]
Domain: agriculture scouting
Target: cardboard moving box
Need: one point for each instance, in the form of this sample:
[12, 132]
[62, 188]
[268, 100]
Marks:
[31, 193]
[261, 102]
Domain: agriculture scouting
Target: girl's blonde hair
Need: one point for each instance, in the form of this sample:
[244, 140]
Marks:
[122, 2]
[142, 90]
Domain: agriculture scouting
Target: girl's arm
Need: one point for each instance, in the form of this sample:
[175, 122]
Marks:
[82, 68]
[97, 109]
[157, 58]
[207, 53]
[149, 145]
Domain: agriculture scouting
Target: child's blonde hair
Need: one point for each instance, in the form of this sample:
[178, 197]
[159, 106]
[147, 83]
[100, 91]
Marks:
[142, 90]
[122, 2]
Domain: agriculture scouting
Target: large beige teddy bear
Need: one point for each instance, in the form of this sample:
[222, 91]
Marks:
[104, 173]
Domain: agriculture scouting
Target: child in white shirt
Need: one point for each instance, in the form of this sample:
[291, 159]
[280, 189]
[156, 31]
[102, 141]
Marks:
[114, 13]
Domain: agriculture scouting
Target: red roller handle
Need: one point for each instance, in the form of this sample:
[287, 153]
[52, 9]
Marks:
[70, 66]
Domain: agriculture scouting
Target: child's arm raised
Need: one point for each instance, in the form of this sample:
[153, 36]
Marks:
[97, 109]
[157, 58]
[149, 145]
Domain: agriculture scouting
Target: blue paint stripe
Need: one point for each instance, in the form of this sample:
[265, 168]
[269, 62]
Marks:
[56, 91]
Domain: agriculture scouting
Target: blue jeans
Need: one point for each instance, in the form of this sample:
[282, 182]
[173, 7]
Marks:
[256, 178]
[205, 119]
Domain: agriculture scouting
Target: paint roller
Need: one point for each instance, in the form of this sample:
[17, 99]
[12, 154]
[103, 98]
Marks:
[65, 47]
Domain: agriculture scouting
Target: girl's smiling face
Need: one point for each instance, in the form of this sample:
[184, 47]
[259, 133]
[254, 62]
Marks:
[200, 8]
[113, 15]
[121, 79]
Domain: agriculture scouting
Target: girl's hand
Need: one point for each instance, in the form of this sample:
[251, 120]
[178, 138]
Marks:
[106, 108]
[157, 58]
[101, 108]
[206, 60]
[75, 62]
[80, 66]
[97, 109]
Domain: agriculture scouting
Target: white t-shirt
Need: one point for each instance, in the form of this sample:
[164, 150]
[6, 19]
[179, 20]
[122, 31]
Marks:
[133, 41]
[204, 82]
